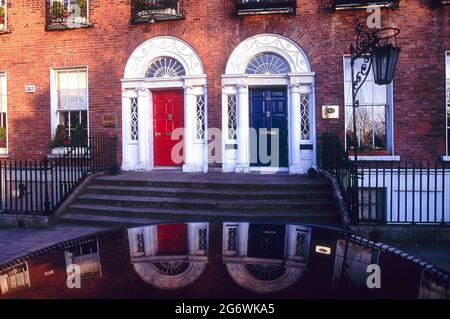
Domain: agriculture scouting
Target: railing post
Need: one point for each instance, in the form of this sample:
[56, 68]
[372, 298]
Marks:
[46, 195]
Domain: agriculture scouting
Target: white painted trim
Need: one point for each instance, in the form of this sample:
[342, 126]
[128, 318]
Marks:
[54, 95]
[388, 158]
[447, 92]
[247, 49]
[4, 150]
[390, 110]
[194, 83]
[299, 81]
[445, 158]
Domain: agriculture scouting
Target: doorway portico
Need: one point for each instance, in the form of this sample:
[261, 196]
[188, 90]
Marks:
[268, 61]
[164, 65]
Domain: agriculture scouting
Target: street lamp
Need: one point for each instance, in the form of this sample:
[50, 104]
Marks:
[376, 50]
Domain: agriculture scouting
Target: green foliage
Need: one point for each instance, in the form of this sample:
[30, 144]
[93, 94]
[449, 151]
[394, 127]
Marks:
[2, 136]
[60, 138]
[57, 9]
[2, 15]
[78, 136]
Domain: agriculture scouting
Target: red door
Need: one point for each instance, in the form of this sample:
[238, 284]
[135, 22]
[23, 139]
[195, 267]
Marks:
[168, 114]
[172, 239]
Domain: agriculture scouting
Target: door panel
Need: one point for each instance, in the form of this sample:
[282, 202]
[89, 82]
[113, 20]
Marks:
[266, 241]
[172, 239]
[168, 115]
[268, 112]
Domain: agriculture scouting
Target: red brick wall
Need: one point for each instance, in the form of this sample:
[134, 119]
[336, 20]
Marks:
[28, 52]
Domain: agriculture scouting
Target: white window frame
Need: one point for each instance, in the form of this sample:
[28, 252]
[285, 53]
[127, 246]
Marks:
[5, 8]
[447, 104]
[78, 20]
[389, 122]
[54, 110]
[84, 258]
[3, 77]
[5, 288]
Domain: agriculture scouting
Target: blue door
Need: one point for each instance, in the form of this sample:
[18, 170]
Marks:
[268, 116]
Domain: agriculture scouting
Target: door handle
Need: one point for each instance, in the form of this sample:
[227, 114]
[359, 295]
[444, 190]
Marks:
[268, 114]
[157, 134]
[169, 117]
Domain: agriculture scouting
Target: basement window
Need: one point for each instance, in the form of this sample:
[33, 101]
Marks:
[372, 204]
[67, 14]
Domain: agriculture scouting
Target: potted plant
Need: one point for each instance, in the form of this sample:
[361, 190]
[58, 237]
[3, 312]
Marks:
[2, 17]
[60, 139]
[57, 10]
[2, 137]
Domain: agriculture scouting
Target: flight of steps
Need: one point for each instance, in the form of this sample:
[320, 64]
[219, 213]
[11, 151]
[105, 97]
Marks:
[130, 201]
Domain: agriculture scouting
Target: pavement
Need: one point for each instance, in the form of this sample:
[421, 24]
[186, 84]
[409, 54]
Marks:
[17, 242]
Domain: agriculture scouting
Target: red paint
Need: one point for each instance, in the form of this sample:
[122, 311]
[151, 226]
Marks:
[172, 239]
[168, 115]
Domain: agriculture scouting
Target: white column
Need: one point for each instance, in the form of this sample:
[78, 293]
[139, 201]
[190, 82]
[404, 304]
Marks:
[143, 112]
[243, 133]
[190, 102]
[126, 109]
[295, 166]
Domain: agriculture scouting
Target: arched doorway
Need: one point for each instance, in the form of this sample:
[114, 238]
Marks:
[164, 107]
[268, 100]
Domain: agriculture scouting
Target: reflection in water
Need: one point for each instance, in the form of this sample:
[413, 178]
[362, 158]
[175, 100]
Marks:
[220, 260]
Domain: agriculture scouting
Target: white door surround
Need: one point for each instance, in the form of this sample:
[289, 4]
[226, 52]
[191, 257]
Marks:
[300, 83]
[137, 108]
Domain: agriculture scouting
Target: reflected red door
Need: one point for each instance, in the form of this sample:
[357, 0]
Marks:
[172, 239]
[168, 114]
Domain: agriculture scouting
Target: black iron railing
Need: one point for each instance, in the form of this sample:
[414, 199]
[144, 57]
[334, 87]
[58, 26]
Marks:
[154, 10]
[62, 14]
[265, 6]
[39, 187]
[389, 192]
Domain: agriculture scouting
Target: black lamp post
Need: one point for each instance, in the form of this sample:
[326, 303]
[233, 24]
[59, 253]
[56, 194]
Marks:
[377, 51]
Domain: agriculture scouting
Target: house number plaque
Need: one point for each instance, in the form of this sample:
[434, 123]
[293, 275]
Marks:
[109, 121]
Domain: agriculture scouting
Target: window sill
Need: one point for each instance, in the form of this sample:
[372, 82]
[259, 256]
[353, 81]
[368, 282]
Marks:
[375, 158]
[63, 27]
[445, 158]
[5, 31]
[64, 150]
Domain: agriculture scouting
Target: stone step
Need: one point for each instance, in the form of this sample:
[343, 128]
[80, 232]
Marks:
[110, 221]
[112, 214]
[243, 184]
[182, 203]
[209, 193]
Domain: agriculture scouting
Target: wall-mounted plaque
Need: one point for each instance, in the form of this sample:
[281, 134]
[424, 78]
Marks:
[330, 111]
[109, 121]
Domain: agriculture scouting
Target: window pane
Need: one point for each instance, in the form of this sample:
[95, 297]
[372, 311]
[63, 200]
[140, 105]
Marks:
[62, 100]
[82, 80]
[379, 127]
[72, 80]
[82, 99]
[73, 99]
[84, 119]
[63, 81]
[74, 119]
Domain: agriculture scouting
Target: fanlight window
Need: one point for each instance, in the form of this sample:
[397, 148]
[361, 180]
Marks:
[165, 67]
[268, 63]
